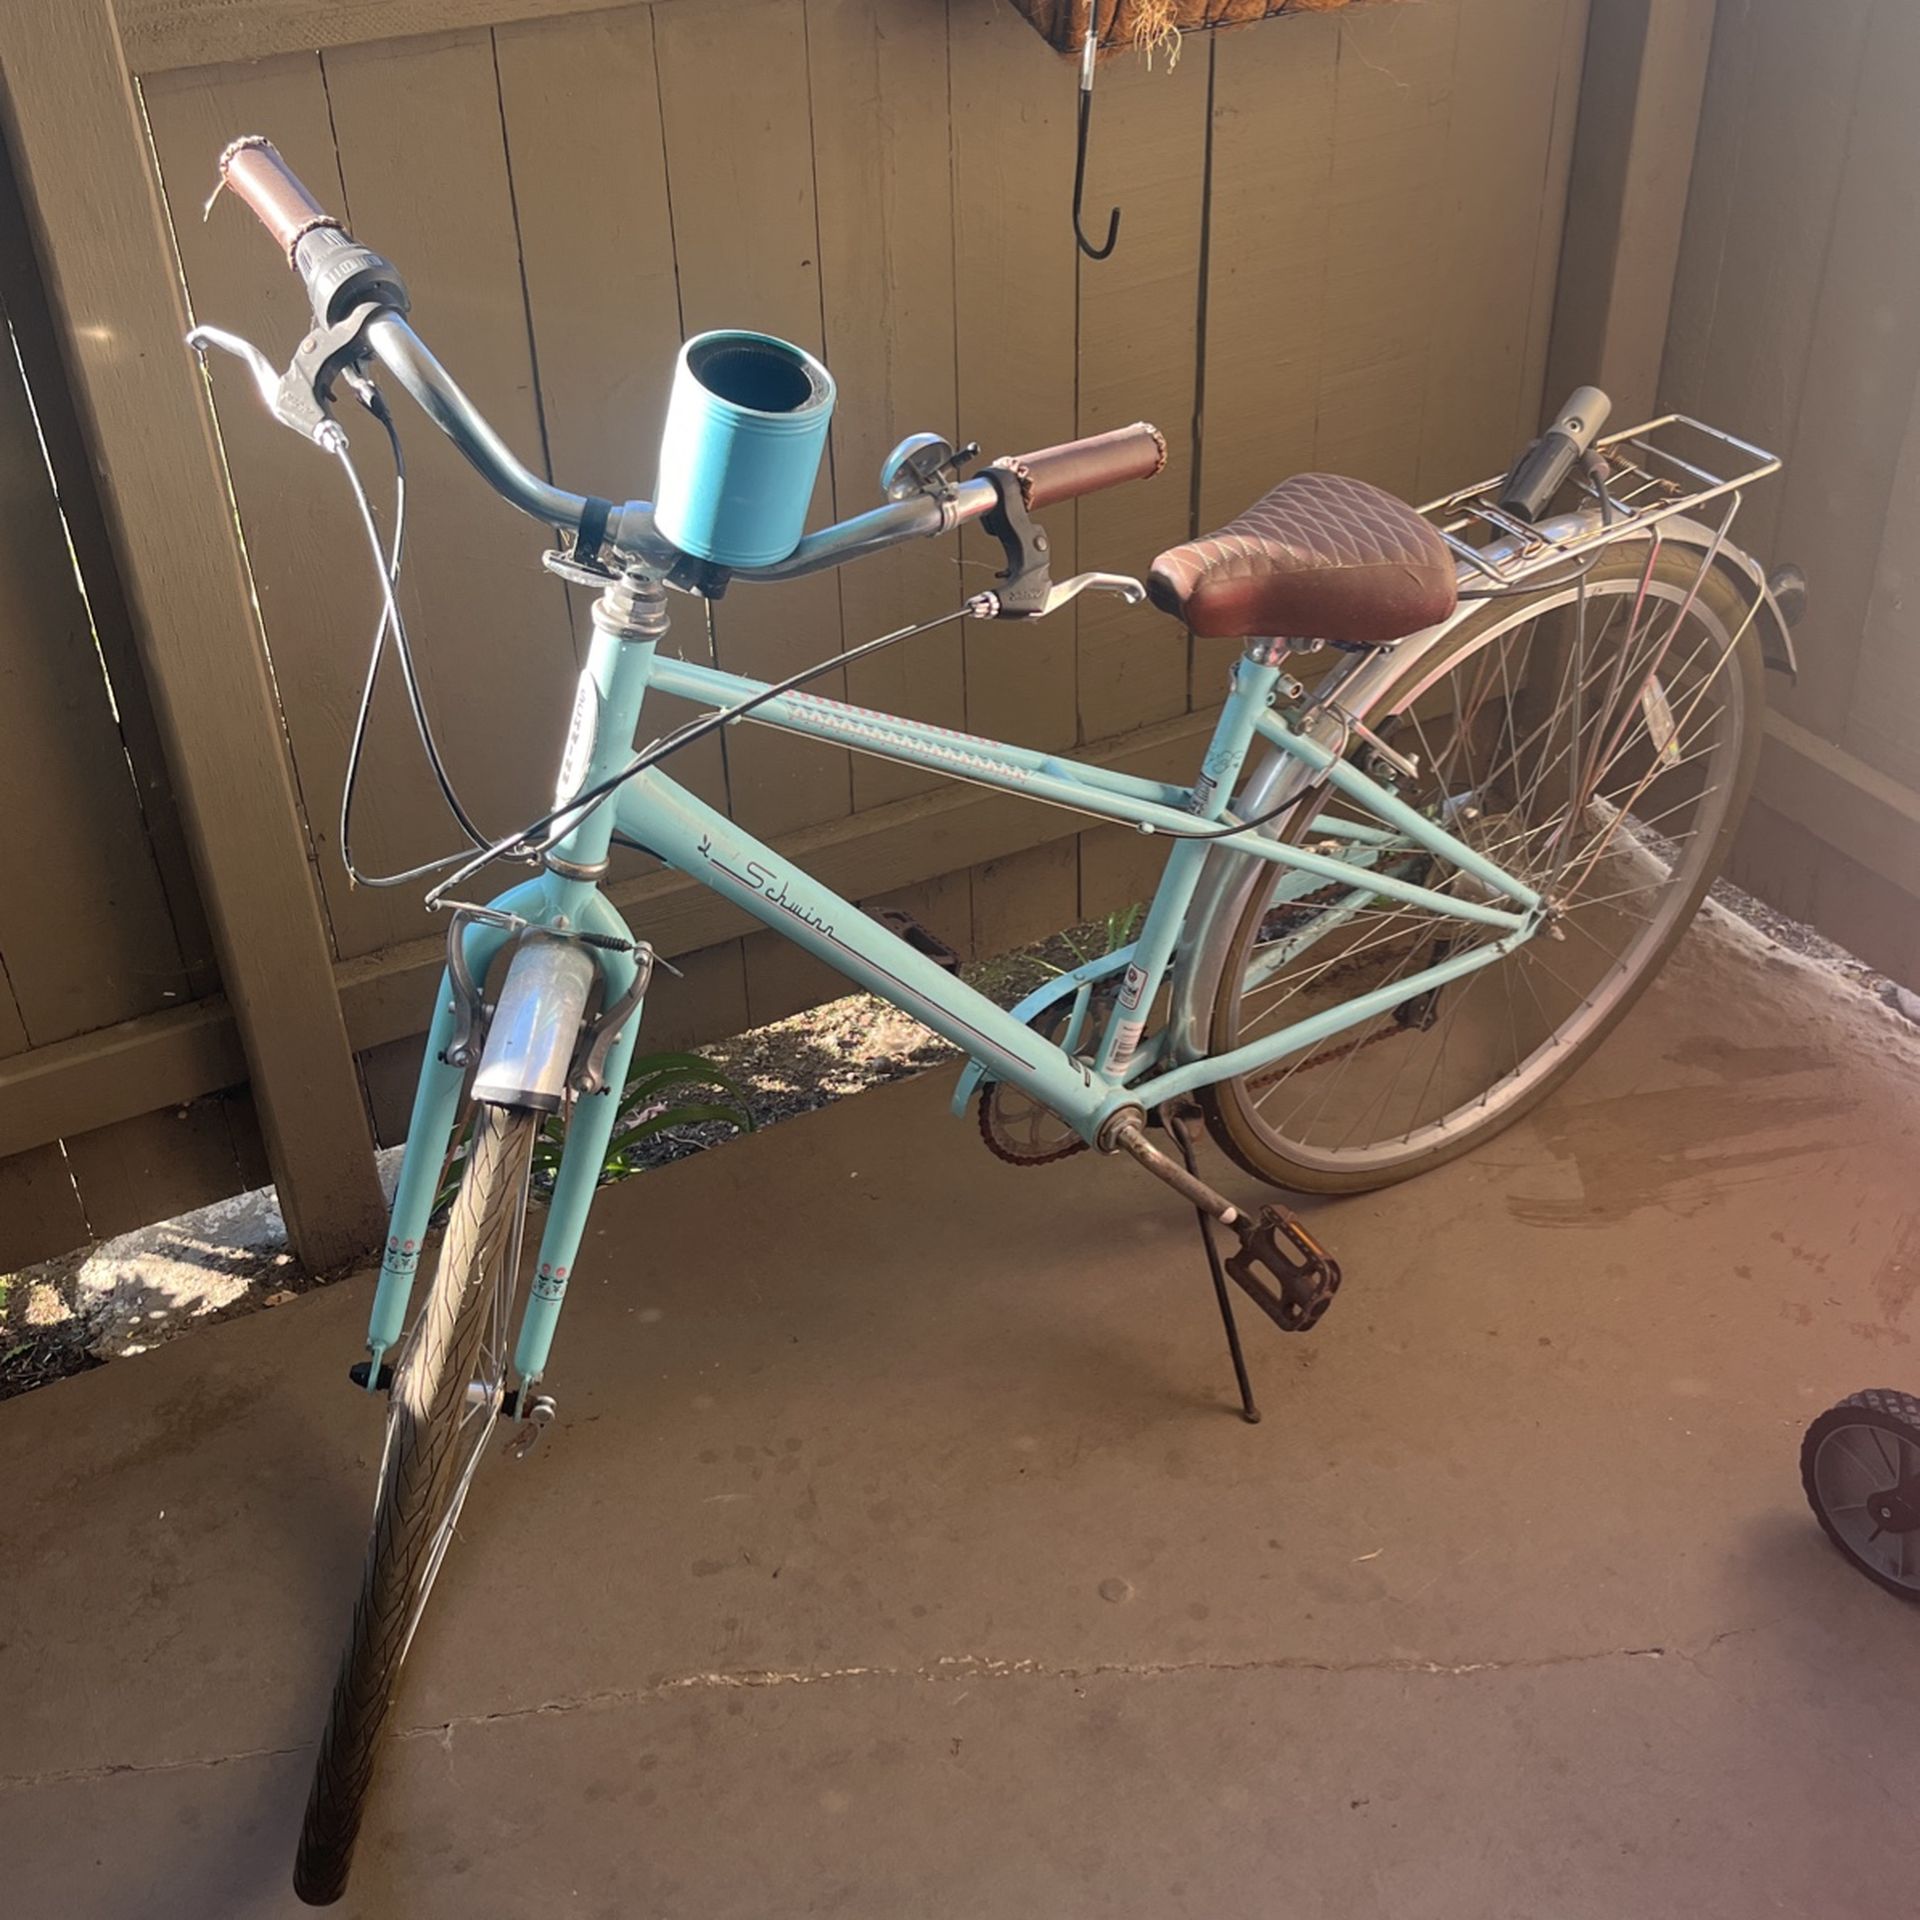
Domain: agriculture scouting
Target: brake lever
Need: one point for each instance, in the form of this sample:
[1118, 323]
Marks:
[266, 376]
[290, 400]
[299, 397]
[986, 606]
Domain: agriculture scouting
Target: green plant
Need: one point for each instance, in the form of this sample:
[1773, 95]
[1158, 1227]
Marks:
[654, 1101]
[1113, 932]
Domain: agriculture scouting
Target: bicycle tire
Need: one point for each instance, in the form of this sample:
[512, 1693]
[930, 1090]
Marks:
[1891, 1416]
[1227, 1105]
[426, 1401]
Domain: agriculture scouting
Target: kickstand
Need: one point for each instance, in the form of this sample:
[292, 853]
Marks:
[1180, 1125]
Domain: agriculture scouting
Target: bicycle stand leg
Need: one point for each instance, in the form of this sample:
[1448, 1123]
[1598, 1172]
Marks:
[1179, 1125]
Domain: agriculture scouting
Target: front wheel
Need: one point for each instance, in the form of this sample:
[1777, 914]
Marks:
[1599, 747]
[445, 1398]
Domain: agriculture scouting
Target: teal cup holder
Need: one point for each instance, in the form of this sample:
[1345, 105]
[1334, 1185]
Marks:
[746, 426]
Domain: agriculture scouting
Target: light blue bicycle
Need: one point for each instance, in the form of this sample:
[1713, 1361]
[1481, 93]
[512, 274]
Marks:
[1450, 824]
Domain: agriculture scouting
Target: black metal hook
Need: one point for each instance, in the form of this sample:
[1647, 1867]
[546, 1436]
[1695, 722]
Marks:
[1087, 52]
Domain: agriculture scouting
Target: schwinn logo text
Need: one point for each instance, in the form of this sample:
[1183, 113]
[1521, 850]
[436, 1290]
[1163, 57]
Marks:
[768, 884]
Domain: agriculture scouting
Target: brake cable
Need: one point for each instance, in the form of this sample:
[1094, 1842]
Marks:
[577, 807]
[387, 566]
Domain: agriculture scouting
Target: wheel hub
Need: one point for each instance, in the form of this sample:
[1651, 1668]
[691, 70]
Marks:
[1898, 1509]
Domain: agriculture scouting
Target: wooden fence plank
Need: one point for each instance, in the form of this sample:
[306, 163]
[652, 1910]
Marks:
[1639, 114]
[1118, 868]
[1268, 211]
[878, 72]
[13, 1030]
[1015, 346]
[40, 1213]
[1883, 686]
[1781, 79]
[1383, 242]
[1535, 402]
[424, 165]
[193, 33]
[1499, 129]
[1791, 324]
[1018, 898]
[110, 279]
[117, 1073]
[706, 998]
[1013, 108]
[86, 937]
[1137, 361]
[605, 308]
[36, 339]
[1850, 502]
[1268, 216]
[305, 551]
[755, 187]
[154, 1166]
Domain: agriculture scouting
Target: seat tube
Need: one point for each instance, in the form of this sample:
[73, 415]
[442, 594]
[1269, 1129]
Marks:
[1254, 677]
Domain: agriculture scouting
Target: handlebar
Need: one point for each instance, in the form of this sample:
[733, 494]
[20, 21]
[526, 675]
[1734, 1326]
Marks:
[252, 169]
[344, 279]
[1065, 472]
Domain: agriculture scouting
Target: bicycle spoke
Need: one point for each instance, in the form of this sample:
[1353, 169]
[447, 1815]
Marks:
[1535, 750]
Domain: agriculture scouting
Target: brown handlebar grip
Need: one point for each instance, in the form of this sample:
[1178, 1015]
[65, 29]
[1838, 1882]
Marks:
[253, 168]
[1059, 473]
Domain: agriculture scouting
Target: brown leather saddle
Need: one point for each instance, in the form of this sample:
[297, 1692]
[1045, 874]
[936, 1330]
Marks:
[1320, 558]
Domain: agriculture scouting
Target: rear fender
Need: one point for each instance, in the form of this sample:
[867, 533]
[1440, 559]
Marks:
[1221, 896]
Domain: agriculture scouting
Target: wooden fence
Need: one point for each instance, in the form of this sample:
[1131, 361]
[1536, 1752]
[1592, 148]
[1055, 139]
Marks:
[1340, 249]
[1796, 320]
[101, 934]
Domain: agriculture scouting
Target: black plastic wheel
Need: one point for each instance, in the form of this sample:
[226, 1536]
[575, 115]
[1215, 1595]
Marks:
[1860, 1465]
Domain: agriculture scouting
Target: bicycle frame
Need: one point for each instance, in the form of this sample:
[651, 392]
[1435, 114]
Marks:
[1128, 1073]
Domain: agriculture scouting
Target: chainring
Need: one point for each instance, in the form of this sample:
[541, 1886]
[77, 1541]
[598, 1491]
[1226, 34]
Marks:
[1020, 1131]
[1018, 1128]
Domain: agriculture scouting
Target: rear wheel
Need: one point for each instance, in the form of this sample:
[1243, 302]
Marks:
[445, 1398]
[1604, 759]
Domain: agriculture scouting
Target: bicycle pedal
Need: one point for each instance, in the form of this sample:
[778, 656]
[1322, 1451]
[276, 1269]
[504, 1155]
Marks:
[1284, 1270]
[921, 939]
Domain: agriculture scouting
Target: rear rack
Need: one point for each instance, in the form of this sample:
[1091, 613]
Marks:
[1669, 466]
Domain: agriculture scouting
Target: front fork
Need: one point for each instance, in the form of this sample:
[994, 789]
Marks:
[562, 906]
[628, 621]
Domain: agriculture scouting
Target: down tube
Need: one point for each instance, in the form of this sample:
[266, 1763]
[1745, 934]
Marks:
[708, 847]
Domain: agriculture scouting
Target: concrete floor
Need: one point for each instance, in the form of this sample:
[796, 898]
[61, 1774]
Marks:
[896, 1553]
